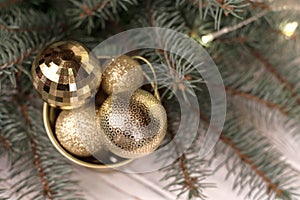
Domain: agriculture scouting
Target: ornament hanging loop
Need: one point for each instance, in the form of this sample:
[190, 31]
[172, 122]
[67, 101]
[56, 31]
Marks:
[154, 85]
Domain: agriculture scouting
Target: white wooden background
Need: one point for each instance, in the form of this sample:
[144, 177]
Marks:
[118, 185]
[115, 185]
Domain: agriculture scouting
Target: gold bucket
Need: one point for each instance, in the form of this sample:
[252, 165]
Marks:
[50, 115]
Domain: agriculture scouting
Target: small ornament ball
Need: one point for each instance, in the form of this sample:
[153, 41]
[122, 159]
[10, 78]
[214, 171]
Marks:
[66, 74]
[78, 131]
[132, 127]
[122, 73]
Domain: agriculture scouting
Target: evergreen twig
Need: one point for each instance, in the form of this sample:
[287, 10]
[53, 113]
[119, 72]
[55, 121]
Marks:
[18, 60]
[6, 144]
[89, 11]
[92, 15]
[251, 97]
[190, 181]
[47, 191]
[245, 158]
[272, 70]
[8, 3]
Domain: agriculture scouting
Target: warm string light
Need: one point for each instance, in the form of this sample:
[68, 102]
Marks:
[210, 37]
[289, 29]
[207, 38]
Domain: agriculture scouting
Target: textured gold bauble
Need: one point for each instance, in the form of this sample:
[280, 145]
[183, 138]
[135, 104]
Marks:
[66, 74]
[78, 131]
[122, 73]
[132, 128]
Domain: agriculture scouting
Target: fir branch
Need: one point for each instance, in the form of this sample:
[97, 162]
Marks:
[189, 181]
[3, 190]
[91, 15]
[26, 19]
[217, 9]
[200, 4]
[211, 36]
[157, 16]
[251, 85]
[23, 32]
[10, 136]
[259, 5]
[233, 141]
[89, 11]
[29, 29]
[245, 158]
[187, 173]
[19, 59]
[47, 191]
[149, 12]
[272, 70]
[5, 142]
[257, 99]
[39, 168]
[186, 176]
[174, 72]
[8, 3]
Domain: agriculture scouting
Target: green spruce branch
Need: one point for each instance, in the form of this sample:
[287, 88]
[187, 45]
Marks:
[263, 161]
[217, 9]
[92, 15]
[187, 173]
[9, 3]
[272, 90]
[272, 70]
[250, 97]
[271, 98]
[46, 191]
[23, 32]
[40, 171]
[5, 143]
[187, 176]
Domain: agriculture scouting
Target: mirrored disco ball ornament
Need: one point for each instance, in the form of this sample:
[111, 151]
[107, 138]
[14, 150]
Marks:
[66, 74]
[133, 126]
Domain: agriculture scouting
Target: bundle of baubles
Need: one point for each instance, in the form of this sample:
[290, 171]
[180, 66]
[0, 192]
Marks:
[129, 122]
[133, 120]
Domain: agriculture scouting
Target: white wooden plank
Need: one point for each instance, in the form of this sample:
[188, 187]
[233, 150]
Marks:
[126, 185]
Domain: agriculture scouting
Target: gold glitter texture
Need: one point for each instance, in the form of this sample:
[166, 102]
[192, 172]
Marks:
[78, 132]
[132, 128]
[122, 73]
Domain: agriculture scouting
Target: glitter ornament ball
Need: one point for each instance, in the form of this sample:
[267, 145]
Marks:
[122, 73]
[132, 126]
[78, 131]
[66, 74]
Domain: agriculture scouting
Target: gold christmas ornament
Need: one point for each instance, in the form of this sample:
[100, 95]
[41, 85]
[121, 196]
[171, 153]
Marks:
[50, 115]
[66, 74]
[78, 132]
[122, 73]
[132, 126]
